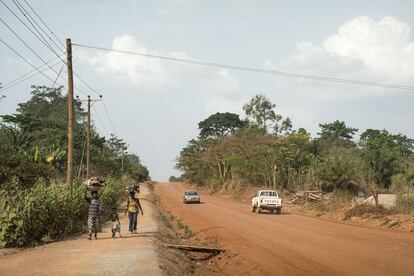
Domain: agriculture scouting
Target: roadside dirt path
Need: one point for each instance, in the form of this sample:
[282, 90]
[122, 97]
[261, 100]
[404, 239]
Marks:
[133, 254]
[290, 244]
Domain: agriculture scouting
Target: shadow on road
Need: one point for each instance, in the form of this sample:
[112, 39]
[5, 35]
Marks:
[273, 214]
[131, 236]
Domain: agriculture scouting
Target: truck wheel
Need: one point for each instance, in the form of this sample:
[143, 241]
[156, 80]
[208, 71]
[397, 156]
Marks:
[253, 209]
[259, 210]
[279, 211]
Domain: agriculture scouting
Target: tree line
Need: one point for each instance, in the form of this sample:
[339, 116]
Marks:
[35, 201]
[33, 143]
[264, 150]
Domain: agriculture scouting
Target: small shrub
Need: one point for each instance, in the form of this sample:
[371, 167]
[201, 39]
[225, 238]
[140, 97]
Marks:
[405, 202]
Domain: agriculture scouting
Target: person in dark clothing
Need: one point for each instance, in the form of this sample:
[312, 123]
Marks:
[95, 207]
[116, 227]
[133, 206]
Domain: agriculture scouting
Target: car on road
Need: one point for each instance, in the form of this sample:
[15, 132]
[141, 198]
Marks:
[191, 197]
[267, 200]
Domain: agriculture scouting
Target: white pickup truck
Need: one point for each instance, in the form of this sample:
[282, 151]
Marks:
[266, 200]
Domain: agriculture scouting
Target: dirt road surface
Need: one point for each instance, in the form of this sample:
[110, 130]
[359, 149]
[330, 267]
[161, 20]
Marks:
[134, 254]
[290, 244]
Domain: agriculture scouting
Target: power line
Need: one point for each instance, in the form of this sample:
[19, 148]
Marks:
[14, 83]
[40, 39]
[87, 85]
[100, 121]
[27, 15]
[37, 55]
[57, 38]
[109, 117]
[60, 71]
[256, 70]
[30, 48]
[24, 77]
[28, 62]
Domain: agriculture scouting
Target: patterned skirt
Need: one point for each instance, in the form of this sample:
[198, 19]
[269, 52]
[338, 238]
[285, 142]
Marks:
[93, 224]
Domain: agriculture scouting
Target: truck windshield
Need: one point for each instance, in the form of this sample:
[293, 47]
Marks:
[191, 193]
[268, 193]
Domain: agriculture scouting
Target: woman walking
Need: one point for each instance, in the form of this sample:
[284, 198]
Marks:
[133, 207]
[95, 207]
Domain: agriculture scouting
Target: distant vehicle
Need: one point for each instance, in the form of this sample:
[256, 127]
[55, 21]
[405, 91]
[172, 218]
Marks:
[266, 200]
[191, 197]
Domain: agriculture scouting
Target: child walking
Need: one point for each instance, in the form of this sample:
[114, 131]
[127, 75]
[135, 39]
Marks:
[116, 227]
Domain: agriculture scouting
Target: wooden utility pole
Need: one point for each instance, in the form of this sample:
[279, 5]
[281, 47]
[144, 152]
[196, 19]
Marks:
[88, 141]
[69, 175]
[124, 147]
[89, 103]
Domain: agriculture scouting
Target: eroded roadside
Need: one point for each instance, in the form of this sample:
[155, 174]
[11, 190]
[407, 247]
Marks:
[174, 231]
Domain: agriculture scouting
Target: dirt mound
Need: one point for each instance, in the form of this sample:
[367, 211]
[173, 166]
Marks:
[364, 210]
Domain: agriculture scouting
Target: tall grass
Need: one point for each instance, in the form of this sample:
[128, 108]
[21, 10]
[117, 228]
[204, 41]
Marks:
[405, 202]
[28, 215]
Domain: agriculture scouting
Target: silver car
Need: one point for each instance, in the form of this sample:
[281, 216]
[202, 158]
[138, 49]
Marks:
[191, 197]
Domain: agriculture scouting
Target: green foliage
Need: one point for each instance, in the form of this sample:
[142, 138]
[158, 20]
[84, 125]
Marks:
[173, 178]
[335, 134]
[403, 181]
[337, 130]
[220, 124]
[28, 215]
[33, 146]
[386, 154]
[33, 143]
[260, 112]
[291, 159]
[111, 194]
[405, 202]
[342, 167]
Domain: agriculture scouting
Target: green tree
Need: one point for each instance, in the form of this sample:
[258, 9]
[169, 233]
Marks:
[292, 157]
[335, 134]
[337, 130]
[260, 111]
[385, 153]
[342, 168]
[190, 161]
[220, 124]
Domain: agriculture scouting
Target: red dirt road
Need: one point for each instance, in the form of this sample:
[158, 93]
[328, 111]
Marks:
[290, 244]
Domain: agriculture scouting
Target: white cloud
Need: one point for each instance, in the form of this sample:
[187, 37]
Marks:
[144, 71]
[361, 49]
[223, 81]
[153, 73]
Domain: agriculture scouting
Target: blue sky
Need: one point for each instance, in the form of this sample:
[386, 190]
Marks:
[156, 105]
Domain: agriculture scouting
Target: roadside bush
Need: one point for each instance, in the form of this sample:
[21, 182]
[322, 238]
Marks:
[405, 201]
[111, 195]
[26, 216]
